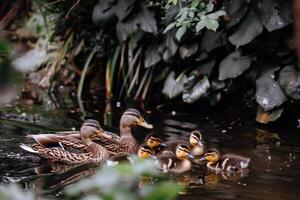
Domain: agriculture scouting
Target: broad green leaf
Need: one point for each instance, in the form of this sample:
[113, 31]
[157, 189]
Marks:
[211, 40]
[209, 6]
[146, 20]
[248, 29]
[211, 24]
[123, 8]
[180, 32]
[200, 25]
[168, 47]
[169, 27]
[234, 65]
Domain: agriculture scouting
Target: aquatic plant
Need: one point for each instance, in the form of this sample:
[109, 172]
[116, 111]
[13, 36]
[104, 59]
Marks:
[124, 181]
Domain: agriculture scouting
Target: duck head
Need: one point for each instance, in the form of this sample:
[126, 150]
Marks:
[183, 152]
[92, 128]
[212, 156]
[144, 152]
[153, 141]
[196, 138]
[132, 117]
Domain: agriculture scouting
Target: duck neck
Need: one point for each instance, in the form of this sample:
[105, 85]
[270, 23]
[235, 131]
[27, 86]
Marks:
[125, 131]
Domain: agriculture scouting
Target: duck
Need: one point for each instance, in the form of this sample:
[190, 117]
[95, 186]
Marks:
[114, 144]
[175, 162]
[144, 152]
[195, 141]
[95, 154]
[125, 143]
[225, 163]
[154, 142]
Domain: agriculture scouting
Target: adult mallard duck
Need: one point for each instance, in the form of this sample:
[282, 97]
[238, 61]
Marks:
[123, 144]
[93, 152]
[225, 163]
[195, 142]
[177, 162]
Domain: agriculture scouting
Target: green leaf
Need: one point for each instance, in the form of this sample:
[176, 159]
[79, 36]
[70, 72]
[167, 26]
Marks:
[248, 29]
[169, 27]
[172, 88]
[200, 25]
[209, 7]
[234, 65]
[212, 40]
[168, 47]
[146, 20]
[123, 8]
[211, 24]
[180, 32]
[166, 190]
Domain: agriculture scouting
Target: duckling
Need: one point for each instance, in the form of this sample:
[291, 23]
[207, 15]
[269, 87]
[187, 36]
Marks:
[95, 153]
[144, 152]
[155, 143]
[177, 162]
[195, 142]
[225, 163]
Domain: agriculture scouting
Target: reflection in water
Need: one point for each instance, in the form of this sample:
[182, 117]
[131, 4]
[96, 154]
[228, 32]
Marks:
[274, 171]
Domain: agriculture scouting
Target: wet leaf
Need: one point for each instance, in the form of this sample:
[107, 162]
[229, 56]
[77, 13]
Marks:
[212, 40]
[236, 17]
[172, 87]
[234, 65]
[125, 30]
[103, 14]
[289, 81]
[275, 14]
[180, 32]
[146, 20]
[188, 50]
[206, 66]
[268, 93]
[265, 117]
[123, 8]
[233, 6]
[200, 90]
[168, 47]
[248, 29]
[152, 55]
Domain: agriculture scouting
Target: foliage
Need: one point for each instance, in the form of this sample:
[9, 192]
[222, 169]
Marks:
[124, 181]
[196, 49]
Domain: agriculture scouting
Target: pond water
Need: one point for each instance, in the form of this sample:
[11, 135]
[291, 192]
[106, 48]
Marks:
[275, 153]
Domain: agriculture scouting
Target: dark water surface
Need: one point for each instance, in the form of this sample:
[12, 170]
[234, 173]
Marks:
[275, 155]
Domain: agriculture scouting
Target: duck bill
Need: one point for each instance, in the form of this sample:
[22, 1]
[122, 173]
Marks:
[104, 134]
[201, 143]
[163, 144]
[203, 159]
[191, 157]
[145, 125]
